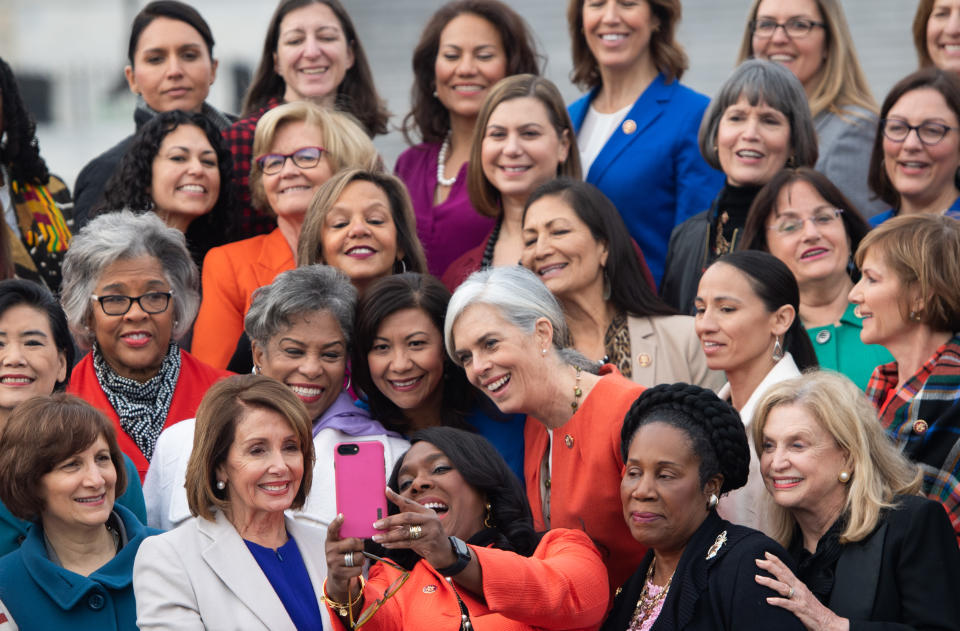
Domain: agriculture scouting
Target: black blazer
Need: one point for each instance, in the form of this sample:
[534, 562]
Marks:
[904, 575]
[715, 593]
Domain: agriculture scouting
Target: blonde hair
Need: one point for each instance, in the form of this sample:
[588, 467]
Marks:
[345, 143]
[922, 250]
[483, 195]
[226, 403]
[879, 471]
[842, 82]
[310, 247]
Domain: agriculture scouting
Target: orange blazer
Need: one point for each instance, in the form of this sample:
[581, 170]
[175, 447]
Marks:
[586, 473]
[195, 378]
[563, 585]
[231, 273]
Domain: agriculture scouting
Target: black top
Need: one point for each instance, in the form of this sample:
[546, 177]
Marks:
[904, 575]
[715, 593]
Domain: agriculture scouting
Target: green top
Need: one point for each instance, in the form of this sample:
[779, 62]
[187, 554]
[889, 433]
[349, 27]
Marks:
[839, 348]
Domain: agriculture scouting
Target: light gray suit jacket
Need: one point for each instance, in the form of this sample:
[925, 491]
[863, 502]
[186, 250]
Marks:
[666, 349]
[845, 143]
[202, 576]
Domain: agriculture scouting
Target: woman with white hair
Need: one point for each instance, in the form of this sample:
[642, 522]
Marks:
[130, 291]
[507, 331]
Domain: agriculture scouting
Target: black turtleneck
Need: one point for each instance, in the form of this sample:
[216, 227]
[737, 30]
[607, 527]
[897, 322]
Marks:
[735, 201]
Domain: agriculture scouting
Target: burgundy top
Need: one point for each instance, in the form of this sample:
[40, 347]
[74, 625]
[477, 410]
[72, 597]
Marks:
[450, 228]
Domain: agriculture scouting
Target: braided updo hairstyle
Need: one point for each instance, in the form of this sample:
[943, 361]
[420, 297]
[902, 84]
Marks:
[713, 426]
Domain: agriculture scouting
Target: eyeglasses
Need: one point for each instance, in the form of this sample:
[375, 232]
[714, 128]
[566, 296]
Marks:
[394, 587]
[305, 158]
[929, 133]
[151, 302]
[795, 28]
[791, 224]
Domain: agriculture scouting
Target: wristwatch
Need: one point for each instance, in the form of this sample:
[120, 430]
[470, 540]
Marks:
[462, 552]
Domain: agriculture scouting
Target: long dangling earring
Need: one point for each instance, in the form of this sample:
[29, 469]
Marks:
[606, 285]
[777, 350]
[346, 386]
[488, 519]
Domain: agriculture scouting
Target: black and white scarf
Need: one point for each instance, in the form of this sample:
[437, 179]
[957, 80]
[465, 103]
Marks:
[142, 407]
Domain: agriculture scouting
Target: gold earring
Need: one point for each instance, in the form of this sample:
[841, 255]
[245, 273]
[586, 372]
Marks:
[488, 519]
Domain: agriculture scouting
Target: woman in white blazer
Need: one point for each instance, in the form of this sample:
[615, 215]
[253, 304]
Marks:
[240, 563]
[746, 317]
[301, 327]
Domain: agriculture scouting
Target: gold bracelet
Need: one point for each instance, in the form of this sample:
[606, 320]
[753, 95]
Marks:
[342, 609]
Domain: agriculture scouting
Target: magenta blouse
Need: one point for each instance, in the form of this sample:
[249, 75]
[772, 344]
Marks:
[450, 229]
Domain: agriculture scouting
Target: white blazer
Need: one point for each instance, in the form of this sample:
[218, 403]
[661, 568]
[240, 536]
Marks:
[166, 497]
[202, 576]
[746, 505]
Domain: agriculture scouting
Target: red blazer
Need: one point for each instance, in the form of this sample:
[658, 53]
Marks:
[586, 474]
[231, 273]
[561, 586]
[195, 378]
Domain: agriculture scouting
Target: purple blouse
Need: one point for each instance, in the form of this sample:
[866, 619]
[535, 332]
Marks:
[450, 229]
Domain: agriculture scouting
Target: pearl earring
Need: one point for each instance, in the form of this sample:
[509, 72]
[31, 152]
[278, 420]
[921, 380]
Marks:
[221, 485]
[844, 477]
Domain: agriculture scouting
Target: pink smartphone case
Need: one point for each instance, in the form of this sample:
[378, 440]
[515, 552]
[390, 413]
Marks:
[360, 488]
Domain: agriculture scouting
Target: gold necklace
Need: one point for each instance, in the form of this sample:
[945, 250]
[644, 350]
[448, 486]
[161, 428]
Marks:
[577, 392]
[646, 606]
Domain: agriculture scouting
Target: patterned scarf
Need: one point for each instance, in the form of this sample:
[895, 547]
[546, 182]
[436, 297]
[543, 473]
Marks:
[142, 407]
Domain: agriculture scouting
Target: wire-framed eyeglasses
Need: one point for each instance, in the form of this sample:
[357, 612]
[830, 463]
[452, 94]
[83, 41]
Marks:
[152, 302]
[305, 158]
[793, 224]
[795, 28]
[929, 132]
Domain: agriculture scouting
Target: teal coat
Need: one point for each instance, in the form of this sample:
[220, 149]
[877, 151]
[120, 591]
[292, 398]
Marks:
[13, 530]
[40, 595]
[839, 348]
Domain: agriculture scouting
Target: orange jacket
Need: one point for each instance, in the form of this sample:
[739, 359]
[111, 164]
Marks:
[586, 474]
[562, 586]
[195, 378]
[231, 273]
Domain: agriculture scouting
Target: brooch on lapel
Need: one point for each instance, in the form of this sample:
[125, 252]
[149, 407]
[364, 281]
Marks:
[721, 539]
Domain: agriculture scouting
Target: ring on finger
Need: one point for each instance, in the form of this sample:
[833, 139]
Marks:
[790, 593]
[348, 559]
[416, 531]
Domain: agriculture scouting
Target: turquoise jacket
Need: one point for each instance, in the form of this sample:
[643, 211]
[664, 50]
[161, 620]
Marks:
[40, 595]
[839, 348]
[13, 530]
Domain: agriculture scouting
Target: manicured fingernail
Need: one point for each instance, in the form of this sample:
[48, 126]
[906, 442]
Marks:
[378, 525]
[377, 538]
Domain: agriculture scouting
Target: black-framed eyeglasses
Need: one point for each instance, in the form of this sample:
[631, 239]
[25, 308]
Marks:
[792, 224]
[929, 133]
[151, 302]
[394, 587]
[795, 28]
[305, 158]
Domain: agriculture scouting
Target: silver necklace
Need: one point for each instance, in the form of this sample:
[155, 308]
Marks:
[441, 159]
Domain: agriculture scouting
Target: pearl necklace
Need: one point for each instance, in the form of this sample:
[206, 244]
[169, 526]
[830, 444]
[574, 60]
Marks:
[441, 159]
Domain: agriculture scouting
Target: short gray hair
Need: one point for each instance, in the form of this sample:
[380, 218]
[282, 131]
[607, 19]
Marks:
[118, 236]
[767, 81]
[297, 291]
[521, 298]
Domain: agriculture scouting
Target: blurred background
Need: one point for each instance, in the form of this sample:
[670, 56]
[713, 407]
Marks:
[69, 57]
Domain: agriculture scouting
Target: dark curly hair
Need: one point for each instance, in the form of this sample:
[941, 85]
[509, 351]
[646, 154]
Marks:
[382, 299]
[129, 186]
[427, 115]
[483, 468]
[713, 426]
[20, 152]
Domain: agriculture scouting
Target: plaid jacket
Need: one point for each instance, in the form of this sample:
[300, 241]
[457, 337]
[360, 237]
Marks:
[923, 418]
[239, 137]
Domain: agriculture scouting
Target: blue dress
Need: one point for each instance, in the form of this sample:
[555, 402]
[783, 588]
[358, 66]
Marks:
[652, 170]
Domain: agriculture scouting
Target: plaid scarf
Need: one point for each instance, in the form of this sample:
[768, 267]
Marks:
[923, 419]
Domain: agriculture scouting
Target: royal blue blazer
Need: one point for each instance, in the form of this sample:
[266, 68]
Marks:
[655, 175]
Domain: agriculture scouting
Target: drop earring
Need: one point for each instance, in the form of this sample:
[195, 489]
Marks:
[777, 350]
